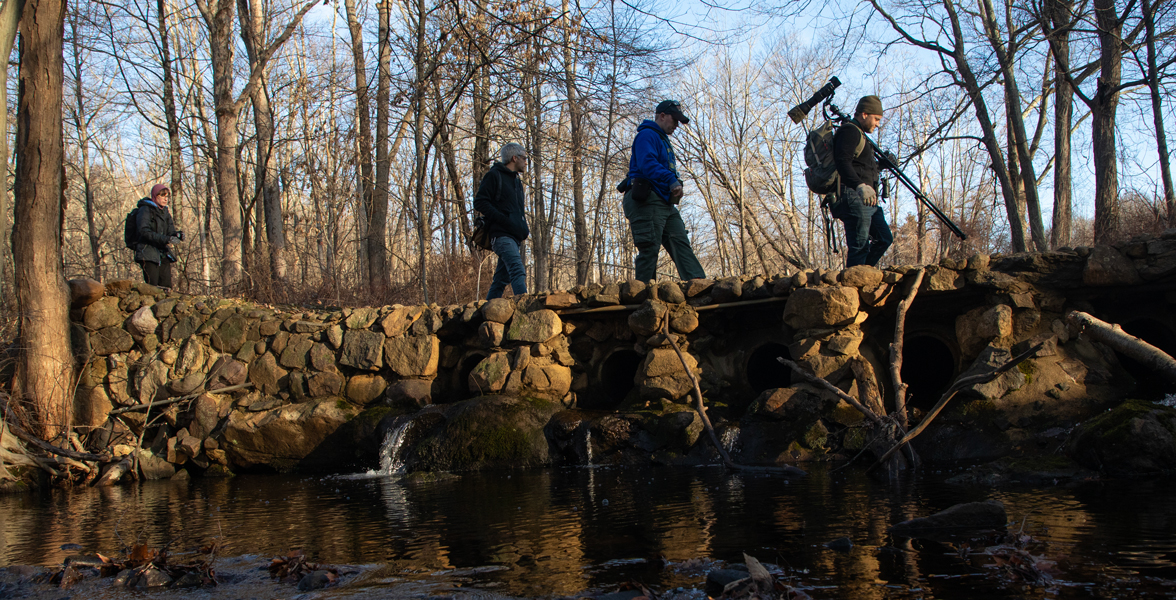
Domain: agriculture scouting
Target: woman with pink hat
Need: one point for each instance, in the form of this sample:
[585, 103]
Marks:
[156, 232]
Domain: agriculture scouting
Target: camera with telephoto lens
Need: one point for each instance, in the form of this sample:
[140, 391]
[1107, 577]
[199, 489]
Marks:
[800, 111]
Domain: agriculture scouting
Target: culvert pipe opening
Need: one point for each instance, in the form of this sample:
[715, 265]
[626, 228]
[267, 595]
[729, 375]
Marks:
[928, 368]
[616, 381]
[764, 372]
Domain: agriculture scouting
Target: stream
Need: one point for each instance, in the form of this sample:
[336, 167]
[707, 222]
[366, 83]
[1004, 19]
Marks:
[577, 531]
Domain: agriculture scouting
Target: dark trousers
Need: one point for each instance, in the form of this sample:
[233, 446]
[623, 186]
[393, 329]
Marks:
[656, 224]
[157, 274]
[867, 236]
[510, 268]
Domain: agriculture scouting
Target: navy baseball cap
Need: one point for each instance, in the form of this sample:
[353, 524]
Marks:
[672, 108]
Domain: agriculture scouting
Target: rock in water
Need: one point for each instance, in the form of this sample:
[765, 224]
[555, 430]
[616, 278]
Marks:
[972, 515]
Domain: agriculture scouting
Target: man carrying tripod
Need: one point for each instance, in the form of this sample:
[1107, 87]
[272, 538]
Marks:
[867, 236]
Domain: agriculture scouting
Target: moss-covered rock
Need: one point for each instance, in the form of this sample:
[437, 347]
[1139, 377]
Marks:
[1136, 438]
[488, 432]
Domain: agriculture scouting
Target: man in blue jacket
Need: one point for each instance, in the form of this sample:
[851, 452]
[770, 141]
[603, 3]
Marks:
[500, 200]
[654, 191]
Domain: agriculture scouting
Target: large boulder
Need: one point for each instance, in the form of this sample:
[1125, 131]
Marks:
[646, 321]
[821, 307]
[981, 326]
[103, 313]
[490, 375]
[863, 277]
[662, 375]
[142, 323]
[413, 355]
[1107, 266]
[281, 437]
[534, 327]
[362, 349]
[486, 433]
[550, 381]
[1136, 438]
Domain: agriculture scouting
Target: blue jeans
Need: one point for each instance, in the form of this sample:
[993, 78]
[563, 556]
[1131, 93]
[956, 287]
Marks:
[510, 268]
[867, 236]
[655, 224]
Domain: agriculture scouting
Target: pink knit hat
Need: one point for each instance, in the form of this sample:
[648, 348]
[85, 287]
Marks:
[155, 189]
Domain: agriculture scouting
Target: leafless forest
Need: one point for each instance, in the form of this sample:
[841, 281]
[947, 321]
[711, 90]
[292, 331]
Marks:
[328, 152]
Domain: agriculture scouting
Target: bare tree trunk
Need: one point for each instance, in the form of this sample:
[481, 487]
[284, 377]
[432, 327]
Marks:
[377, 250]
[9, 21]
[219, 17]
[533, 115]
[1153, 84]
[363, 136]
[81, 123]
[1104, 106]
[423, 230]
[575, 116]
[44, 372]
[1018, 141]
[1058, 12]
[175, 157]
[266, 188]
[968, 81]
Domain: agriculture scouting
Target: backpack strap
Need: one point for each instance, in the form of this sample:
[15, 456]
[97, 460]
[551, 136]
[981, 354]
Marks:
[861, 145]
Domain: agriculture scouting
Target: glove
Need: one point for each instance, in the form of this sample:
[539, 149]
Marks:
[676, 194]
[869, 196]
[175, 240]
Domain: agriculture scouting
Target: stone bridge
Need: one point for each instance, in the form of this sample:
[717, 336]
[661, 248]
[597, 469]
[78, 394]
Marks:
[581, 376]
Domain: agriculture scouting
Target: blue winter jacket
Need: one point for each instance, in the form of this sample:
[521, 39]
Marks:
[653, 159]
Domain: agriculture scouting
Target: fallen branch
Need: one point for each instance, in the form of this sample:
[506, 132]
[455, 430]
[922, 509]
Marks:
[900, 387]
[1112, 335]
[700, 408]
[50, 448]
[963, 382]
[150, 405]
[813, 379]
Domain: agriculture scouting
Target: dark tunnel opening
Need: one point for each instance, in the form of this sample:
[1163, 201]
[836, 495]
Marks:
[928, 368]
[1157, 334]
[764, 372]
[616, 381]
[461, 384]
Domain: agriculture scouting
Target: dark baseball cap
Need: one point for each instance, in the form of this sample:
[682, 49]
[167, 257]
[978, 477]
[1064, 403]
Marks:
[672, 108]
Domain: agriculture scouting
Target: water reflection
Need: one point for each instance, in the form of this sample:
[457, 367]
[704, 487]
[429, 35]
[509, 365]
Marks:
[563, 531]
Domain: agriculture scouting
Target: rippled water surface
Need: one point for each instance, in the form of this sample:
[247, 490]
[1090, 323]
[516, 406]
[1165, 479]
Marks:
[561, 532]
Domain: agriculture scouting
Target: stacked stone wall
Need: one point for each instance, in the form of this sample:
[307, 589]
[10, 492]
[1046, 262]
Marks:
[264, 386]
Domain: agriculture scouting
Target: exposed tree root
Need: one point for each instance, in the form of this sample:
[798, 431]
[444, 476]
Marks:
[700, 407]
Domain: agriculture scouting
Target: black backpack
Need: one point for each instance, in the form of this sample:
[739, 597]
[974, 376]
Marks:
[131, 229]
[821, 172]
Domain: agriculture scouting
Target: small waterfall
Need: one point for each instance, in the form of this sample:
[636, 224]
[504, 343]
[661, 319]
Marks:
[588, 444]
[728, 438]
[390, 463]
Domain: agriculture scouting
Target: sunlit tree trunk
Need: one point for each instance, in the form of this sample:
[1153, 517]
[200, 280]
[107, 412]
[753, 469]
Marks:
[44, 372]
[9, 20]
[81, 120]
[363, 136]
[266, 185]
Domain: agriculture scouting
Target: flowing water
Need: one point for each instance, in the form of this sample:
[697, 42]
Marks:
[556, 532]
